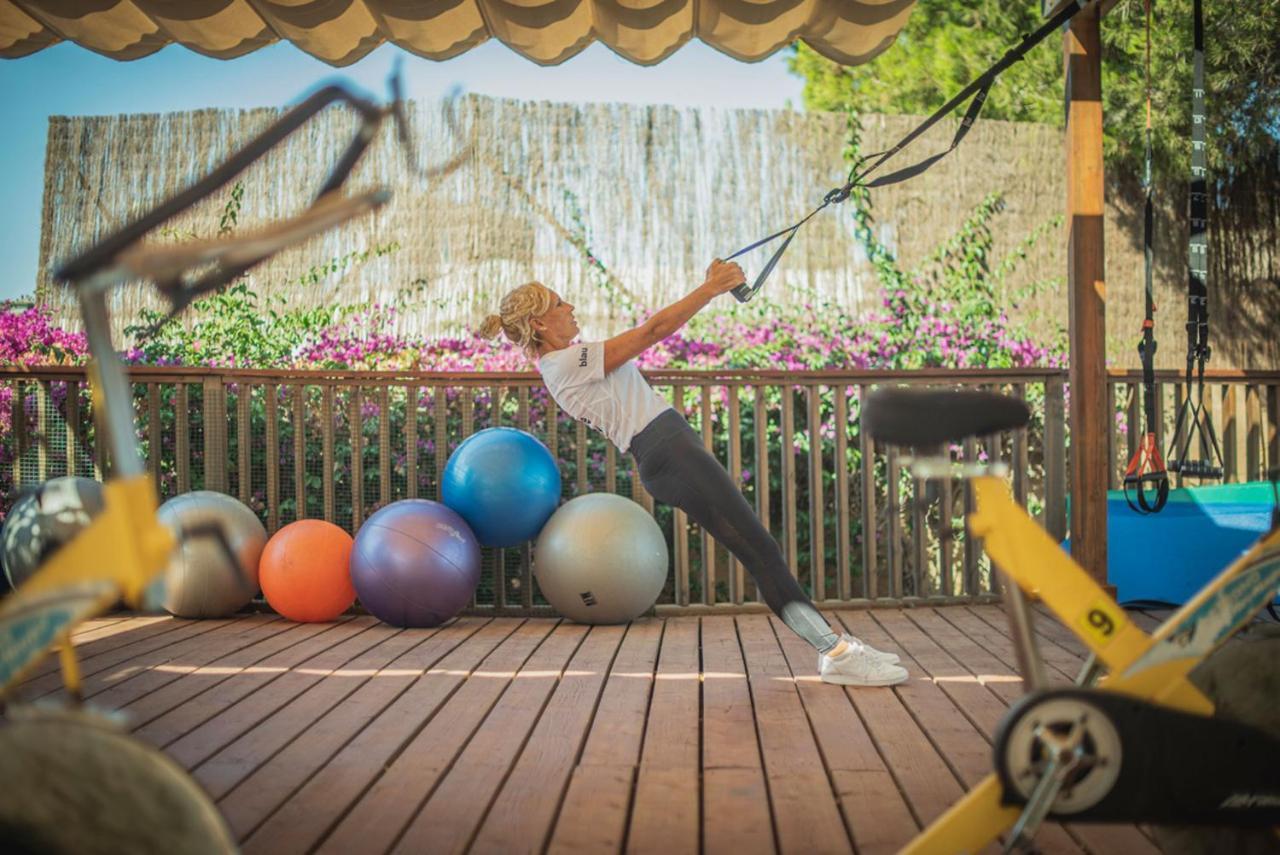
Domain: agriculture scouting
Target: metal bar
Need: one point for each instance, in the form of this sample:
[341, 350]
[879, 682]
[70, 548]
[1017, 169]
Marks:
[1022, 634]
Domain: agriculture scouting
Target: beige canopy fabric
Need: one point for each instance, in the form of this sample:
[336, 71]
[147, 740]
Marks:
[548, 32]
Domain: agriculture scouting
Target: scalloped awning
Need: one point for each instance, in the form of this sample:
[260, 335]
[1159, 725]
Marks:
[547, 32]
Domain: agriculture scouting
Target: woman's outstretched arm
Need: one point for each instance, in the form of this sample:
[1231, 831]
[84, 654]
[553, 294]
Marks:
[722, 276]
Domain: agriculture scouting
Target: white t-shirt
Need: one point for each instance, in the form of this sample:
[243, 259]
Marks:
[618, 405]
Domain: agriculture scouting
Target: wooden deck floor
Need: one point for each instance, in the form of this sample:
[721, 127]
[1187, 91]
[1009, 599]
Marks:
[513, 735]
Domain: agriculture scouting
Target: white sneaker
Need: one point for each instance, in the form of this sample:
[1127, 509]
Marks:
[857, 666]
[878, 655]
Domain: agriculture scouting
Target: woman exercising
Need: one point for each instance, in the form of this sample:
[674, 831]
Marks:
[597, 383]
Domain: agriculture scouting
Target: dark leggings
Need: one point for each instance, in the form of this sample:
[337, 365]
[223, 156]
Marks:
[677, 469]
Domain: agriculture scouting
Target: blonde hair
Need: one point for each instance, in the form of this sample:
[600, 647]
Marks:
[517, 309]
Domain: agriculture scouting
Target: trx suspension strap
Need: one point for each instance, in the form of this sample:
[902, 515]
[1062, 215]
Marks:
[977, 90]
[1192, 414]
[1146, 467]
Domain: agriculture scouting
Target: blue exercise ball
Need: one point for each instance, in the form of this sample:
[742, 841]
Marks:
[504, 483]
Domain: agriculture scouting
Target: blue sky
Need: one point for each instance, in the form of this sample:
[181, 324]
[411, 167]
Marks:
[68, 80]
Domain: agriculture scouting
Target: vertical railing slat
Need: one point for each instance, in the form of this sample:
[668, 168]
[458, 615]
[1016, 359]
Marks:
[1021, 458]
[870, 559]
[155, 443]
[271, 408]
[1055, 459]
[762, 459]
[18, 424]
[681, 526]
[893, 530]
[843, 581]
[384, 445]
[355, 425]
[413, 395]
[440, 401]
[788, 451]
[299, 419]
[817, 496]
[736, 570]
[1253, 434]
[74, 431]
[708, 574]
[44, 400]
[326, 442]
[215, 434]
[244, 441]
[182, 437]
[972, 544]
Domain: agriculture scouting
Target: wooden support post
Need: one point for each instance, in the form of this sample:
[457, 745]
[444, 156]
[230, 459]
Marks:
[1086, 288]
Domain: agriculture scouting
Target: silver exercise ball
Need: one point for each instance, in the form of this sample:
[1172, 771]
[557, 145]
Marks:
[201, 581]
[601, 558]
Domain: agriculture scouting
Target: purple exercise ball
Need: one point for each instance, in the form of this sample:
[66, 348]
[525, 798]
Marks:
[415, 563]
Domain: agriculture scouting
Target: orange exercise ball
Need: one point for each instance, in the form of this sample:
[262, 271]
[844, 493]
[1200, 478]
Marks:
[304, 571]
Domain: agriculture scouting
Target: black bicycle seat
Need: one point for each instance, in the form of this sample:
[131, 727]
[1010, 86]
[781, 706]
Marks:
[930, 417]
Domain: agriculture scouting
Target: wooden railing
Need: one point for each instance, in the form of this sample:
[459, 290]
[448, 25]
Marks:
[337, 445]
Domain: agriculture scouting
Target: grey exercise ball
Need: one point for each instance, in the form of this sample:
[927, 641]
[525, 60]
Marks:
[45, 519]
[601, 558]
[201, 581]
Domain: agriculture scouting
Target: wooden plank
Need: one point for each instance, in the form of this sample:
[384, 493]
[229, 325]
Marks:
[271, 640]
[215, 434]
[1135, 429]
[215, 724]
[1086, 289]
[318, 805]
[939, 638]
[454, 812]
[257, 797]
[946, 536]
[1232, 435]
[1021, 458]
[875, 813]
[805, 812]
[1113, 446]
[94, 639]
[922, 776]
[972, 543]
[44, 403]
[522, 407]
[376, 820]
[114, 661]
[920, 586]
[222, 771]
[520, 818]
[190, 714]
[186, 658]
[870, 560]
[664, 812]
[988, 626]
[953, 709]
[736, 817]
[593, 815]
[441, 413]
[1273, 426]
[18, 426]
[182, 437]
[1254, 470]
[580, 455]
